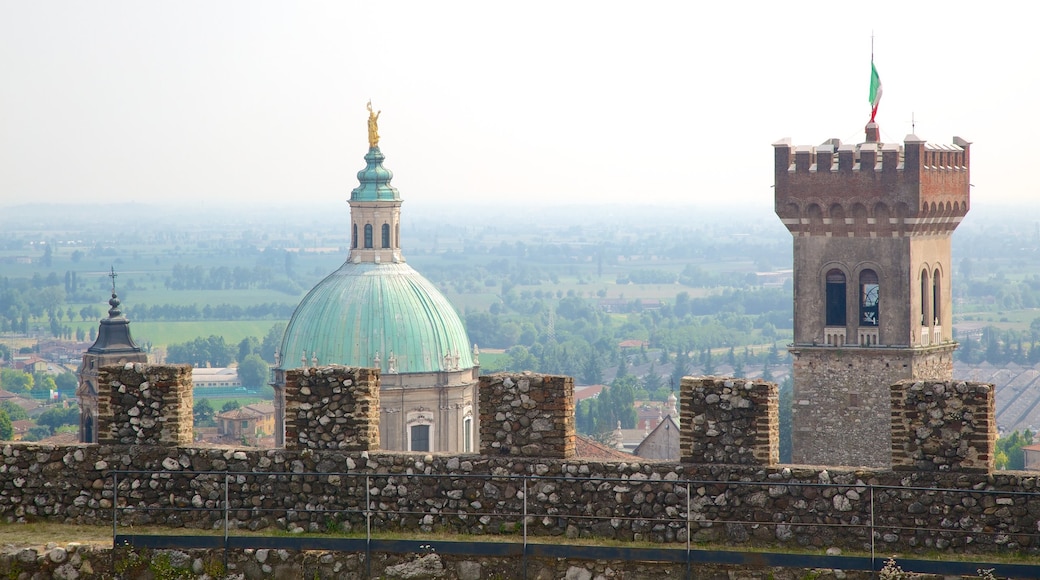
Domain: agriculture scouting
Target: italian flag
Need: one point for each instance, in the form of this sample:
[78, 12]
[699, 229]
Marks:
[875, 90]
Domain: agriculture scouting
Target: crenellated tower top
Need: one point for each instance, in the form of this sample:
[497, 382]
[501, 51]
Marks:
[872, 188]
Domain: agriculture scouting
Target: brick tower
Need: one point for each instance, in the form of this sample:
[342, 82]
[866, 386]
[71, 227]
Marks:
[872, 225]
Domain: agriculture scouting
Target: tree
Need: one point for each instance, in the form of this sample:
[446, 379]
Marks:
[203, 413]
[37, 433]
[6, 428]
[67, 381]
[272, 341]
[44, 383]
[249, 345]
[58, 416]
[16, 381]
[230, 406]
[14, 412]
[253, 371]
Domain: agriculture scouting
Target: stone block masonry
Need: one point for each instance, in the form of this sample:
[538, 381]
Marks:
[727, 420]
[943, 426]
[527, 415]
[141, 404]
[333, 407]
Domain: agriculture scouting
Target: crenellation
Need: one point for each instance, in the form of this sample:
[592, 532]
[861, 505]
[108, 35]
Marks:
[526, 415]
[142, 404]
[332, 407]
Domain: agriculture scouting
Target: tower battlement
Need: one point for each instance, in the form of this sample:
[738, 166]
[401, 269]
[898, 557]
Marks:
[872, 188]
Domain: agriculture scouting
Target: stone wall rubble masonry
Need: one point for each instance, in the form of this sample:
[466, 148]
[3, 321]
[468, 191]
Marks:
[76, 561]
[943, 426]
[141, 404]
[527, 415]
[332, 407]
[308, 490]
[727, 420]
[735, 495]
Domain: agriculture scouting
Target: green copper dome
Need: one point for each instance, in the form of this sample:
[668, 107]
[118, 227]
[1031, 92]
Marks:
[366, 312]
[375, 180]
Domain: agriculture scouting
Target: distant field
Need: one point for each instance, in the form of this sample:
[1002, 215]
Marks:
[166, 333]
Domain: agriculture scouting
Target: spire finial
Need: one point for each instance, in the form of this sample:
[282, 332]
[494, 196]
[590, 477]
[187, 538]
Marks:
[113, 275]
[373, 126]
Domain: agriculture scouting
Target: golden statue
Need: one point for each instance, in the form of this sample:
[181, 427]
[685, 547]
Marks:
[373, 126]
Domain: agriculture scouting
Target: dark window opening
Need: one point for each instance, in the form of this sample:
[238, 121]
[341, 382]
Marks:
[354, 237]
[368, 235]
[835, 298]
[386, 235]
[924, 298]
[869, 291]
[420, 438]
[936, 302]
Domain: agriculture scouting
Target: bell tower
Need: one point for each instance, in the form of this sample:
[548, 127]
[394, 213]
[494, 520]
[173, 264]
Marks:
[872, 225]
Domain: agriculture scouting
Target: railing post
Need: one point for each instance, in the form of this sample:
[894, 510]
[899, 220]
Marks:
[227, 506]
[115, 505]
[523, 562]
[368, 526]
[689, 531]
[872, 562]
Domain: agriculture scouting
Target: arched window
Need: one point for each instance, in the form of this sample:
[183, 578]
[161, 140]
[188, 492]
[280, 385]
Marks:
[936, 298]
[869, 291]
[386, 235]
[835, 298]
[368, 235]
[354, 237]
[925, 291]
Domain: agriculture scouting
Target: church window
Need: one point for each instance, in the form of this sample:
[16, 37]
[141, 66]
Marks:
[386, 235]
[420, 438]
[354, 237]
[368, 236]
[869, 290]
[835, 298]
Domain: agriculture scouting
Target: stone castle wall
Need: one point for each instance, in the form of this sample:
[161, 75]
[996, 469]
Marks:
[841, 405]
[943, 426]
[86, 562]
[727, 420]
[526, 415]
[141, 404]
[332, 407]
[735, 496]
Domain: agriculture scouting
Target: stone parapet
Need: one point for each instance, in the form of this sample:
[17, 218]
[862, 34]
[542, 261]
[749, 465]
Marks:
[141, 404]
[943, 426]
[526, 415]
[727, 420]
[332, 407]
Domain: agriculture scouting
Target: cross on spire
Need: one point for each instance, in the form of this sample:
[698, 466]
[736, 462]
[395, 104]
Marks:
[113, 275]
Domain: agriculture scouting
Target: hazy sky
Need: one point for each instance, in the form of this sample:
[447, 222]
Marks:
[666, 102]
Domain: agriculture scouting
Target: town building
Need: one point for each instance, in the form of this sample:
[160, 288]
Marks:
[375, 311]
[872, 224]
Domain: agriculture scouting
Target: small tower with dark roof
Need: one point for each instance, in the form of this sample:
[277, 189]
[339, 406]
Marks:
[114, 346]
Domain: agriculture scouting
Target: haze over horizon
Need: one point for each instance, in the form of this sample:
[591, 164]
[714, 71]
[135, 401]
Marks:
[542, 103]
